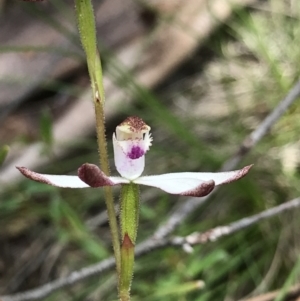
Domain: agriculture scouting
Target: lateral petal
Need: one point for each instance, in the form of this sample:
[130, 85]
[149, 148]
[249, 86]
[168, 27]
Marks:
[192, 183]
[54, 180]
[220, 178]
[176, 184]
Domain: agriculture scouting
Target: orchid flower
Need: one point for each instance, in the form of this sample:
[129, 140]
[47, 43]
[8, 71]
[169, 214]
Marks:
[131, 141]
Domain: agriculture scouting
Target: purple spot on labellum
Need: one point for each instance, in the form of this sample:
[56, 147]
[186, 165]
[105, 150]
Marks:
[136, 152]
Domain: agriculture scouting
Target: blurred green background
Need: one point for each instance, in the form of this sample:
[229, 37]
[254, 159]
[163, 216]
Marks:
[203, 75]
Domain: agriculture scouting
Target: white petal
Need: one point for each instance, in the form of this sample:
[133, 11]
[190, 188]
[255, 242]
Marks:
[178, 184]
[191, 183]
[219, 177]
[55, 180]
[128, 168]
[69, 181]
[119, 180]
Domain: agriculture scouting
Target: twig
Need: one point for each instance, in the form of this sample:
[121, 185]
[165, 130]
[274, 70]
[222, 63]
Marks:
[216, 233]
[148, 245]
[184, 209]
[263, 128]
[45, 290]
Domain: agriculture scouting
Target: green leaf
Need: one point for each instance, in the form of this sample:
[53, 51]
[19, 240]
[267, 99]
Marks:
[87, 30]
[87, 27]
[181, 289]
[292, 278]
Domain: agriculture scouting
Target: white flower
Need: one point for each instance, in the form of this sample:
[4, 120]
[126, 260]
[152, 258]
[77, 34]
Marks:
[131, 142]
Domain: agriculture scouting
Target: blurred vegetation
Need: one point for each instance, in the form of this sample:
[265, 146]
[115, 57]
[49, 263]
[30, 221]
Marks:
[199, 116]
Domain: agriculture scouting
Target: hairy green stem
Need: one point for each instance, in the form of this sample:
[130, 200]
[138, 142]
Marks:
[102, 147]
[87, 29]
[127, 264]
[129, 223]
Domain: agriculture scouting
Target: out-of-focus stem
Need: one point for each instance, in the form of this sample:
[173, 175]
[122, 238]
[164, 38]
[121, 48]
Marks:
[3, 153]
[129, 223]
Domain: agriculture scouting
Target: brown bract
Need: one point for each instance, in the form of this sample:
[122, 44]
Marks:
[93, 176]
[127, 243]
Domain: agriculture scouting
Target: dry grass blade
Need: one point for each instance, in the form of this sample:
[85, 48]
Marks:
[292, 294]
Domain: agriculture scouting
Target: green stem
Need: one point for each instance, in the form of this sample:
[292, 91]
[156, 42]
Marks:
[127, 264]
[129, 223]
[102, 147]
[87, 30]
